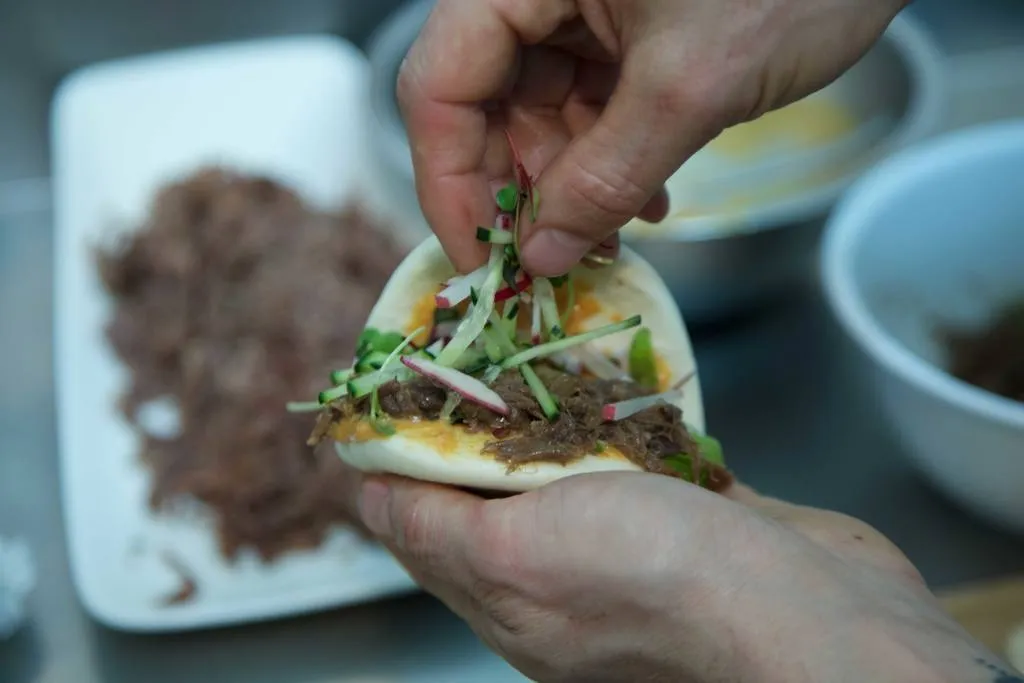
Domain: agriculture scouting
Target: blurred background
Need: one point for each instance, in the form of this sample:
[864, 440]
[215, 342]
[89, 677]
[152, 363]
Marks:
[786, 389]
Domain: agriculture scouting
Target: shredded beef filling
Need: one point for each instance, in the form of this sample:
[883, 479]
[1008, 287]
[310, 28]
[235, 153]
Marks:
[233, 299]
[992, 358]
[525, 435]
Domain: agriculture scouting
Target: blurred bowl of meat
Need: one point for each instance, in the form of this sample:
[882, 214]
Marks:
[922, 266]
[747, 210]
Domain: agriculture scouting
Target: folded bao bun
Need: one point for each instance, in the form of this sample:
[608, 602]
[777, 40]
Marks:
[438, 451]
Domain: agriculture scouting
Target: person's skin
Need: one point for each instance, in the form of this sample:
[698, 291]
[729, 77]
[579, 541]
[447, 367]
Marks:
[605, 99]
[634, 577]
[642, 577]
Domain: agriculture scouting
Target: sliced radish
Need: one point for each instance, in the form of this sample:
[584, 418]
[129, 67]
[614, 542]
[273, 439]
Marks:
[568, 362]
[470, 388]
[444, 330]
[503, 221]
[612, 412]
[458, 288]
[505, 293]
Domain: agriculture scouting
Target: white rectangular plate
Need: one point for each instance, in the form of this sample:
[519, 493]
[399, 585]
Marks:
[292, 108]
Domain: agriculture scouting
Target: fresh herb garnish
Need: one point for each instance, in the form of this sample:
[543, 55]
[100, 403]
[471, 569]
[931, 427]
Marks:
[710, 448]
[643, 367]
[339, 377]
[687, 467]
[558, 281]
[508, 198]
[374, 340]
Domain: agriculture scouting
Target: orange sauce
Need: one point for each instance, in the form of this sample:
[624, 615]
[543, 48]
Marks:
[612, 453]
[664, 372]
[422, 316]
[354, 431]
[585, 306]
[442, 437]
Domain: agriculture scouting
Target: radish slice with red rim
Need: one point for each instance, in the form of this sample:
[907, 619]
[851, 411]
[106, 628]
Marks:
[613, 412]
[466, 386]
[458, 288]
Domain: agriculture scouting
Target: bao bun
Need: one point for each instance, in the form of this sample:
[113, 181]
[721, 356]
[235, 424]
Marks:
[449, 454]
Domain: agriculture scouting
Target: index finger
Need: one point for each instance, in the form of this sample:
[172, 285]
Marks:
[465, 56]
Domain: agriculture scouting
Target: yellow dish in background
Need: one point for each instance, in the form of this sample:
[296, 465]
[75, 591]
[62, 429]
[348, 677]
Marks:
[805, 124]
[808, 144]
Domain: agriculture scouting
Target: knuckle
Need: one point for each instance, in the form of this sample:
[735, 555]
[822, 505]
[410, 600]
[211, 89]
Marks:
[610, 193]
[534, 20]
[698, 99]
[674, 98]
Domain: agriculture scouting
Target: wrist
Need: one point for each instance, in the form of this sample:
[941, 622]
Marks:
[907, 642]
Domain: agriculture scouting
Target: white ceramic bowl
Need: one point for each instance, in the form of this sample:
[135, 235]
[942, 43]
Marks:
[935, 236]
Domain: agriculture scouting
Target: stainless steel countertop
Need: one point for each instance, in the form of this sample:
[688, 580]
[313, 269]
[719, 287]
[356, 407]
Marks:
[785, 392]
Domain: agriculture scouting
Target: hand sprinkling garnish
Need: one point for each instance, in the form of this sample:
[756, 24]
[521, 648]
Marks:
[500, 357]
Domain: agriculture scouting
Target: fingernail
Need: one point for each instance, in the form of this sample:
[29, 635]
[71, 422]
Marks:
[553, 252]
[373, 508]
[598, 260]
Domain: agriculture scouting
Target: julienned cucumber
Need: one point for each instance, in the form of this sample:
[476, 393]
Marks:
[568, 342]
[547, 402]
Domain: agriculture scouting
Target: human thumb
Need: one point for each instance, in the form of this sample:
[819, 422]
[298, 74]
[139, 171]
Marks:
[609, 174]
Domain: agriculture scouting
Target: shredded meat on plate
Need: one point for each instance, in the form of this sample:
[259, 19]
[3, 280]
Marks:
[231, 300]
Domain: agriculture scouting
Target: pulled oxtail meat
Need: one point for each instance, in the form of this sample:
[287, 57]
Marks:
[992, 358]
[232, 299]
[525, 435]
